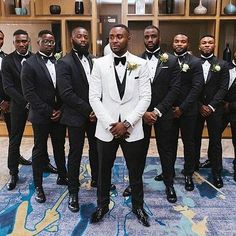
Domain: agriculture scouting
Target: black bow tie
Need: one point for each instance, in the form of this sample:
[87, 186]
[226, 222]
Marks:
[81, 54]
[150, 54]
[120, 59]
[181, 59]
[51, 58]
[2, 54]
[206, 59]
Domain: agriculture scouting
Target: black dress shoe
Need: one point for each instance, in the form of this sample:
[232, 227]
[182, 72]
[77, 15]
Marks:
[50, 169]
[217, 181]
[159, 177]
[127, 192]
[205, 164]
[98, 214]
[142, 216]
[113, 187]
[170, 194]
[39, 195]
[189, 185]
[93, 183]
[73, 203]
[23, 161]
[62, 180]
[12, 182]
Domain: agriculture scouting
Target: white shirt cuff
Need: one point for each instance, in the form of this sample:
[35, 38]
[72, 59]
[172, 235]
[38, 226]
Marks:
[157, 112]
[212, 108]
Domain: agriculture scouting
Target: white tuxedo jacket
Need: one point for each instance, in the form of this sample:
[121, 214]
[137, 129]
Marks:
[106, 102]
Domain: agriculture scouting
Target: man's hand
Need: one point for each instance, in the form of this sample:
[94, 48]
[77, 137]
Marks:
[92, 117]
[56, 115]
[177, 112]
[205, 110]
[119, 130]
[149, 118]
[5, 105]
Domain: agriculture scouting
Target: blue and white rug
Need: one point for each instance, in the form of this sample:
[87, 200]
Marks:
[204, 211]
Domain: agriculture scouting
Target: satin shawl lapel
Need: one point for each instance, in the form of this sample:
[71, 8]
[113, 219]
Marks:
[44, 68]
[17, 63]
[79, 67]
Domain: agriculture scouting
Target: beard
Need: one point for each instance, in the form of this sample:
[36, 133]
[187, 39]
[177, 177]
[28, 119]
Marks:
[80, 49]
[180, 52]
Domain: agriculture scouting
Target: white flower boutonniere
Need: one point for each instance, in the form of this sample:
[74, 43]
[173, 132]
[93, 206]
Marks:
[132, 66]
[185, 67]
[58, 55]
[215, 68]
[164, 57]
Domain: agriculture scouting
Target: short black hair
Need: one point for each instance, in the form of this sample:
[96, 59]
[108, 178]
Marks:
[183, 35]
[207, 35]
[1, 32]
[77, 27]
[42, 32]
[121, 26]
[152, 27]
[20, 31]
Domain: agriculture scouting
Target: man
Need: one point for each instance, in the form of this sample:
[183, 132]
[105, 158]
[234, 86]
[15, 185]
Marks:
[229, 116]
[216, 77]
[185, 108]
[165, 78]
[119, 94]
[5, 101]
[11, 68]
[73, 75]
[38, 77]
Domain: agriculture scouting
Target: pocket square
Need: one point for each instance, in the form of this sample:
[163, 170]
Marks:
[165, 67]
[136, 77]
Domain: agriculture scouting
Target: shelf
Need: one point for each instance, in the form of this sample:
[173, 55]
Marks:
[140, 7]
[171, 7]
[23, 11]
[227, 9]
[208, 5]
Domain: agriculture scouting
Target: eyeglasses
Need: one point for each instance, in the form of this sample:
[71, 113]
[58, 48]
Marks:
[48, 42]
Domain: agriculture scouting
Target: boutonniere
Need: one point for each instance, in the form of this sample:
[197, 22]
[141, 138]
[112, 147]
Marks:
[185, 67]
[164, 57]
[132, 66]
[58, 55]
[215, 68]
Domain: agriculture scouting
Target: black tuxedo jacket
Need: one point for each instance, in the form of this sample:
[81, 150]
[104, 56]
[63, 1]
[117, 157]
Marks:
[192, 82]
[11, 69]
[165, 86]
[38, 90]
[216, 85]
[73, 88]
[3, 95]
[231, 96]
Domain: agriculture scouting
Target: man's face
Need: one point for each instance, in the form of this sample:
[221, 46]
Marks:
[21, 43]
[1, 39]
[46, 44]
[151, 39]
[80, 40]
[180, 44]
[207, 46]
[118, 39]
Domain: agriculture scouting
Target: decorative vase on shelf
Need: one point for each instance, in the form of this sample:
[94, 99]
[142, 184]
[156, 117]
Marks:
[79, 7]
[55, 9]
[230, 9]
[200, 9]
[169, 6]
[140, 7]
[227, 53]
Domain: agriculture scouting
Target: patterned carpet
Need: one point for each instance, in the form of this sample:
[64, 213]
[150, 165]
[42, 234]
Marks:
[205, 211]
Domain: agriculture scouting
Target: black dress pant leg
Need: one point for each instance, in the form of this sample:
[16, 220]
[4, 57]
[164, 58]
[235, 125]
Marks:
[76, 142]
[58, 134]
[233, 131]
[135, 162]
[93, 153]
[18, 121]
[41, 133]
[106, 157]
[163, 130]
[7, 119]
[187, 128]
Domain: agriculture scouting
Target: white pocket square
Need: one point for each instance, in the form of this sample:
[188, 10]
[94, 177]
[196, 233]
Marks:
[164, 67]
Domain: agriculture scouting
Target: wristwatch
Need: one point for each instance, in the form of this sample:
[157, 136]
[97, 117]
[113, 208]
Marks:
[126, 124]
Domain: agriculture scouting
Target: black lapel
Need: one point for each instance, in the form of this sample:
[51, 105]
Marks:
[44, 68]
[17, 62]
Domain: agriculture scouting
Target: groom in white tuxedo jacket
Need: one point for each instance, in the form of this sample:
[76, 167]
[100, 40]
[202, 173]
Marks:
[120, 93]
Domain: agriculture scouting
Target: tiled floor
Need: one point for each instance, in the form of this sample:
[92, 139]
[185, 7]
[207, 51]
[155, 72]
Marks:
[27, 144]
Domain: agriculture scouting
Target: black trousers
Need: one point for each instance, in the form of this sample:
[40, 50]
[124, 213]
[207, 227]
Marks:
[214, 127]
[227, 119]
[135, 161]
[18, 121]
[76, 141]
[163, 133]
[186, 125]
[57, 133]
[7, 119]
